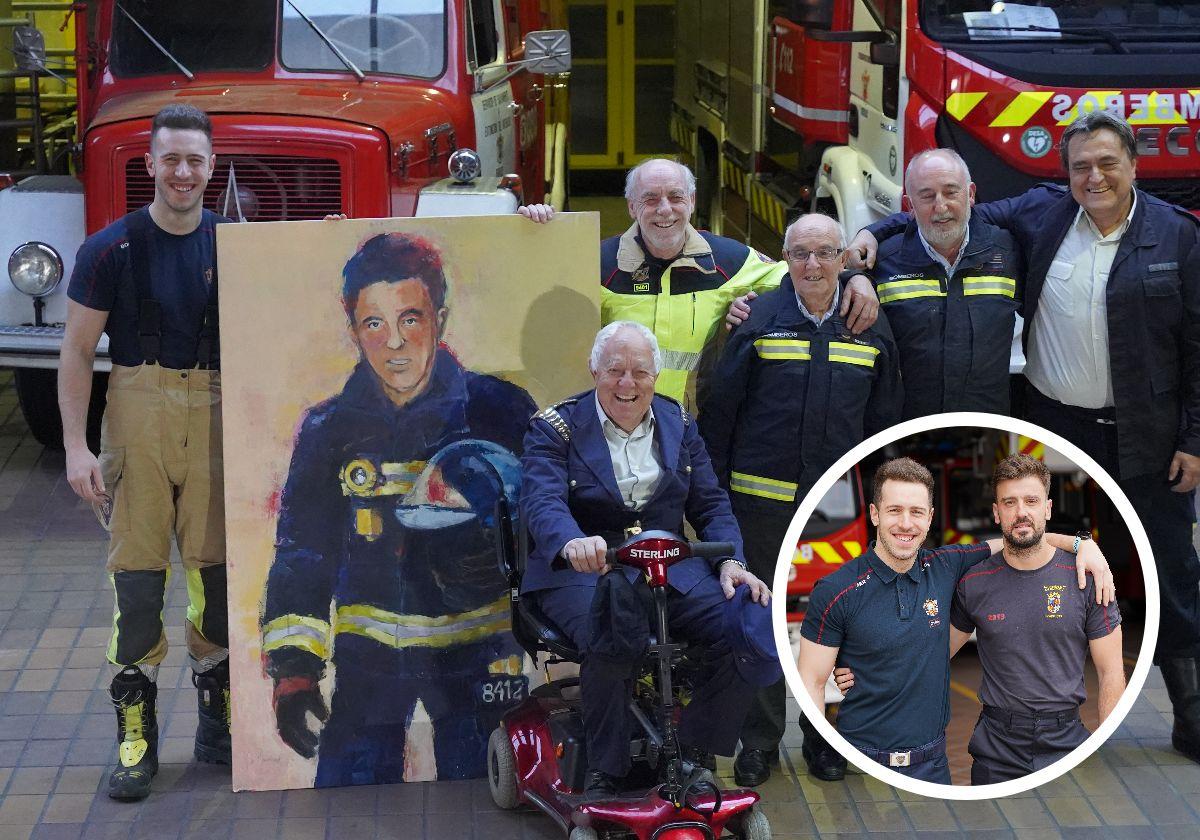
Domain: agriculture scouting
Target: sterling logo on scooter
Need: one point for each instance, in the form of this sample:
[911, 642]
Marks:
[654, 554]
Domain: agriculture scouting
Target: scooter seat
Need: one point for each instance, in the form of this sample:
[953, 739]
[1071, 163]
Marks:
[547, 633]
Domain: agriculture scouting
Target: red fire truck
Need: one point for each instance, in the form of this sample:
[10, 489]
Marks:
[318, 107]
[785, 105]
[835, 534]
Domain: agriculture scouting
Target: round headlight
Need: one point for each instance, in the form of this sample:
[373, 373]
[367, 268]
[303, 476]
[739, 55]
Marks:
[35, 269]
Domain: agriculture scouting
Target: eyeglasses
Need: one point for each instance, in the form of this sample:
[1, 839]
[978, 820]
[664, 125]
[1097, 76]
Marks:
[823, 254]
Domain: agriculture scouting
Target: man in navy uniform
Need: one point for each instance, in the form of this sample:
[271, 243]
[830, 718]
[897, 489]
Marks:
[792, 393]
[386, 513]
[597, 467]
[1112, 338]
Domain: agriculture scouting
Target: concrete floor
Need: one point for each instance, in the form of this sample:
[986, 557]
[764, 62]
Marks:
[56, 731]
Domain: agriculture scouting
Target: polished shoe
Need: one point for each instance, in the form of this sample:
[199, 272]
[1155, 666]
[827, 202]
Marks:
[600, 785]
[824, 762]
[699, 758]
[1182, 677]
[753, 767]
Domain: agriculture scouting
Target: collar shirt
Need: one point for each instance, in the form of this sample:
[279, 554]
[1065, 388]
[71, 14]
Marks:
[950, 267]
[1068, 341]
[634, 458]
[833, 306]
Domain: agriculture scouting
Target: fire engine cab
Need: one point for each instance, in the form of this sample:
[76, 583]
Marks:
[798, 104]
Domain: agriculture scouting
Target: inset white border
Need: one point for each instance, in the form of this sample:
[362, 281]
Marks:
[981, 421]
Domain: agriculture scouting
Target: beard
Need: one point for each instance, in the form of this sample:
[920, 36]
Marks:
[1013, 541]
[946, 237]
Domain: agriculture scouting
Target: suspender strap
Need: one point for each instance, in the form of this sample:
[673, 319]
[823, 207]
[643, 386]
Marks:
[137, 275]
[208, 347]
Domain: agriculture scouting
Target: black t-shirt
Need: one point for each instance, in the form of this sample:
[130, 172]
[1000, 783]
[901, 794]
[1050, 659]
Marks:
[183, 279]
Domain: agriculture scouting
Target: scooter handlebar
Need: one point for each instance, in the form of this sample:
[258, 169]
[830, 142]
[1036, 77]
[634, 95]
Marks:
[698, 549]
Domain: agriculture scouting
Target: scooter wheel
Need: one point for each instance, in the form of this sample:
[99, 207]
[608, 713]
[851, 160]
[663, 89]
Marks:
[755, 825]
[502, 770]
[580, 832]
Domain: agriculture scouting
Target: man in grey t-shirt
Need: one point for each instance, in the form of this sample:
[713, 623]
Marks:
[1034, 628]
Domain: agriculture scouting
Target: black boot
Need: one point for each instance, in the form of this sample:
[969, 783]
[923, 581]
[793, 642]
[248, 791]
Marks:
[212, 699]
[824, 762]
[133, 696]
[1182, 677]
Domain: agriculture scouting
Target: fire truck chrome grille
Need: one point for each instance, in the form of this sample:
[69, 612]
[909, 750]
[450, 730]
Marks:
[271, 188]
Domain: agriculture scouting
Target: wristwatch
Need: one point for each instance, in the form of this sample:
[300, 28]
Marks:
[1079, 538]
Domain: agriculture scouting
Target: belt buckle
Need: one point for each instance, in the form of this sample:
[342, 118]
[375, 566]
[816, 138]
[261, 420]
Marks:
[900, 759]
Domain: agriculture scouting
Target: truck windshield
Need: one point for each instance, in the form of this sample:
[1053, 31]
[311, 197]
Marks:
[216, 35]
[1072, 20]
[400, 37]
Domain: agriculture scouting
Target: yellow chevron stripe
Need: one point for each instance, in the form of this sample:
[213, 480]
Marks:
[958, 105]
[852, 548]
[1022, 108]
[827, 553]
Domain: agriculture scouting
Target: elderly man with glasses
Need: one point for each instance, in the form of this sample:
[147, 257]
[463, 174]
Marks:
[793, 391]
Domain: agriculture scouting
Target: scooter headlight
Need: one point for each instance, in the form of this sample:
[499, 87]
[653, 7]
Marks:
[35, 269]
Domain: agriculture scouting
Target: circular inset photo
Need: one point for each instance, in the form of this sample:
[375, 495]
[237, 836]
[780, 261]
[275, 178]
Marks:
[971, 605]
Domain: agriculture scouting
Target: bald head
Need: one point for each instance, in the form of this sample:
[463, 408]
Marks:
[813, 247]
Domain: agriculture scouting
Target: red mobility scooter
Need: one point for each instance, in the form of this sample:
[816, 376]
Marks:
[537, 756]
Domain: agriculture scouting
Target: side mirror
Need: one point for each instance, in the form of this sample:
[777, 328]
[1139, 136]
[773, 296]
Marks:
[548, 51]
[886, 54]
[29, 49]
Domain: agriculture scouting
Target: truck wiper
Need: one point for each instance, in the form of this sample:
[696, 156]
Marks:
[350, 65]
[1107, 36]
[190, 75]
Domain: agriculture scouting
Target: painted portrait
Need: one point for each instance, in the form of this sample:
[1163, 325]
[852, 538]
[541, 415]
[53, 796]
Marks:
[377, 386]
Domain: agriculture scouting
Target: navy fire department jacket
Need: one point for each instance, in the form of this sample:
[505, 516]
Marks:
[954, 333]
[339, 539]
[569, 490]
[788, 399]
[1153, 298]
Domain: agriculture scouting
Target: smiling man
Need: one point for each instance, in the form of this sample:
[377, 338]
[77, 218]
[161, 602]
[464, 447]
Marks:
[886, 616]
[792, 393]
[950, 286]
[601, 466]
[1112, 339]
[149, 280]
[385, 515]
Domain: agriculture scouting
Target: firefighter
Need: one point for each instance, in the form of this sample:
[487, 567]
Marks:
[792, 393]
[950, 286]
[1112, 340]
[387, 513]
[678, 281]
[149, 281]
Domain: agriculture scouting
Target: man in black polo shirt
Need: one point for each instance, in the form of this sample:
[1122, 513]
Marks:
[1033, 630]
[886, 616]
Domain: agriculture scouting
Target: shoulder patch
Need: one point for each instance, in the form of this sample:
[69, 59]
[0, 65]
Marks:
[687, 418]
[556, 421]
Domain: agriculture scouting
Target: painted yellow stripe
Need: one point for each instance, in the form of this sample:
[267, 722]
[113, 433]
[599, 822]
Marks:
[852, 548]
[1096, 103]
[827, 553]
[1031, 447]
[307, 643]
[959, 688]
[439, 641]
[958, 105]
[1024, 105]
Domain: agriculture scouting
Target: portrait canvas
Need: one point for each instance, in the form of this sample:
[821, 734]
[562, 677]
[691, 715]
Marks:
[378, 376]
